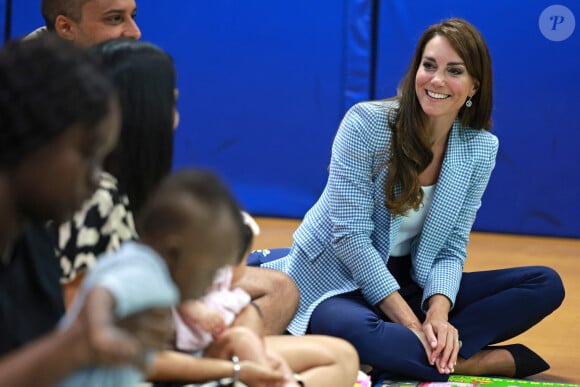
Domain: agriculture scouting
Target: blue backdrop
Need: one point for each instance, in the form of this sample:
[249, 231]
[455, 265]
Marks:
[263, 86]
[2, 19]
[534, 188]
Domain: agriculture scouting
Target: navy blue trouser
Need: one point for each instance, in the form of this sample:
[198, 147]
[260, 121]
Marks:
[491, 306]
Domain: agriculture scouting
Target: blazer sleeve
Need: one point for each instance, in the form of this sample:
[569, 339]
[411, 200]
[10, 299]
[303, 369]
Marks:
[359, 143]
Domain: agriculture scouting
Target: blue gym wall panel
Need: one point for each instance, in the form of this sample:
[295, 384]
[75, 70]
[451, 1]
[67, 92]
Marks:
[535, 186]
[263, 86]
[26, 17]
[2, 20]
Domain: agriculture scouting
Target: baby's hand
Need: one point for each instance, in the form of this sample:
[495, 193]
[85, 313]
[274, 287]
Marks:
[195, 312]
[152, 327]
[106, 343]
[113, 346]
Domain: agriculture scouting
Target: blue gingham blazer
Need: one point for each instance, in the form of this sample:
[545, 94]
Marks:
[344, 241]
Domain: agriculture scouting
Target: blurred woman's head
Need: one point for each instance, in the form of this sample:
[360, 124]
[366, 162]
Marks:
[146, 83]
[59, 117]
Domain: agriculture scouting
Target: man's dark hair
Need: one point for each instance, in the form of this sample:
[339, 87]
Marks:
[52, 8]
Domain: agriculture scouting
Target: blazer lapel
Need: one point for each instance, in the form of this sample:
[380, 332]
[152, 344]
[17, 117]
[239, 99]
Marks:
[395, 221]
[451, 188]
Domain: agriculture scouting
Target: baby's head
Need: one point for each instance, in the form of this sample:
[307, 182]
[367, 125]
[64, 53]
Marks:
[195, 224]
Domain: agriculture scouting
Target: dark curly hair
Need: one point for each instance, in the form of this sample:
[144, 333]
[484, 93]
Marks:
[47, 85]
[145, 78]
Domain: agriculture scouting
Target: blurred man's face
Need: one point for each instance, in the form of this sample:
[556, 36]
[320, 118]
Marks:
[102, 20]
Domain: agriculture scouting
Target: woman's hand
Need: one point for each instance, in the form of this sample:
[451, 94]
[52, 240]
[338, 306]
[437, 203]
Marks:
[397, 310]
[423, 339]
[442, 337]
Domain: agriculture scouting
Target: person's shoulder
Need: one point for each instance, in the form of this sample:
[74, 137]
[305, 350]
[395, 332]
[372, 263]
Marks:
[137, 250]
[131, 255]
[36, 33]
[383, 107]
[376, 114]
[107, 194]
[108, 182]
[481, 144]
[485, 138]
[478, 136]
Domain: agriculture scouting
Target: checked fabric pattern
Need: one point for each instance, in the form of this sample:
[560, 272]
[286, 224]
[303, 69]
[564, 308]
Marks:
[344, 240]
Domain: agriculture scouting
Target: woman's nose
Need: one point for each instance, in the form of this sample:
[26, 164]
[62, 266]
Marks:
[438, 79]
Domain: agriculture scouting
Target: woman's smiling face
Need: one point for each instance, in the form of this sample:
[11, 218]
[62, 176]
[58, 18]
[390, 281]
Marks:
[442, 82]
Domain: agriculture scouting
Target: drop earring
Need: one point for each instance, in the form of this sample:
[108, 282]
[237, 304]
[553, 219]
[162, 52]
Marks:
[468, 103]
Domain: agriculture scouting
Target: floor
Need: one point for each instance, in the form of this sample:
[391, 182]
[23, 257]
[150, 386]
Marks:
[556, 338]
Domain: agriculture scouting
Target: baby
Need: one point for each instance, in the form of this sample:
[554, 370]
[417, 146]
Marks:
[188, 222]
[207, 327]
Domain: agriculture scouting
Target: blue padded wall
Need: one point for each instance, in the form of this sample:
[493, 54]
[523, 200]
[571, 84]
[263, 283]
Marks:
[2, 20]
[535, 187]
[263, 86]
[26, 17]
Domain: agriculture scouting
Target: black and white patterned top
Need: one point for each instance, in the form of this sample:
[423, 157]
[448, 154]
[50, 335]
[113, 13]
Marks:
[104, 222]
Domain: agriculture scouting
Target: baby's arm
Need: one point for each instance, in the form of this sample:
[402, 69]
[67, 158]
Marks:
[195, 312]
[110, 343]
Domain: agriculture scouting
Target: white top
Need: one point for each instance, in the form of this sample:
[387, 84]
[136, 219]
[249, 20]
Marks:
[412, 224]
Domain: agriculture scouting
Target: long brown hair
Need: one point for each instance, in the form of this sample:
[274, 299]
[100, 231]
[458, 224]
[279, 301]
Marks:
[410, 148]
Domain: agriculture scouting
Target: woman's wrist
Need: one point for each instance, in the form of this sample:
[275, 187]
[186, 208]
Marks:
[237, 369]
[398, 311]
[439, 306]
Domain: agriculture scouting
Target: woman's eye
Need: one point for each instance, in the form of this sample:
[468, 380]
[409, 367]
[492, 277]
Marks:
[428, 65]
[455, 71]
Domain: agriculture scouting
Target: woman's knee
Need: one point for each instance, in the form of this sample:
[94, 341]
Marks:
[340, 318]
[552, 290]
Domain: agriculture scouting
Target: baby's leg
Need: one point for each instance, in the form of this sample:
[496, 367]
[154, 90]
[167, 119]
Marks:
[319, 360]
[247, 345]
[239, 341]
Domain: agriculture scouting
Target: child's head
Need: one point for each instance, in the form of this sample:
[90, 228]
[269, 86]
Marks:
[145, 78]
[193, 221]
[58, 118]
